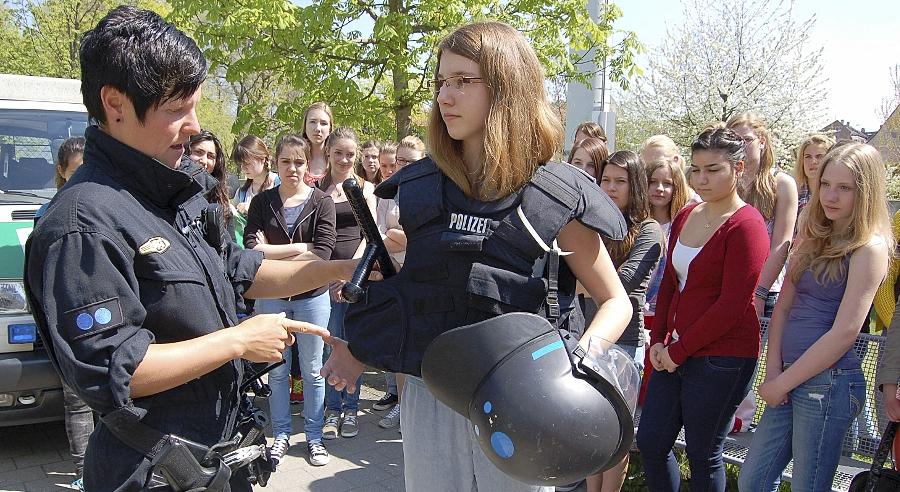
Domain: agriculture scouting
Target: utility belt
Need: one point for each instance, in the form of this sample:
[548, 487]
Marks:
[182, 465]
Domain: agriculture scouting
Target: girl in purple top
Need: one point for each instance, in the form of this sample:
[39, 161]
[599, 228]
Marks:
[814, 385]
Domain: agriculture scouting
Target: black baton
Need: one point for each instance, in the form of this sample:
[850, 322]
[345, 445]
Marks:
[375, 249]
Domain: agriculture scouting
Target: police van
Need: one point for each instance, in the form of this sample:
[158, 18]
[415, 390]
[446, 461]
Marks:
[37, 115]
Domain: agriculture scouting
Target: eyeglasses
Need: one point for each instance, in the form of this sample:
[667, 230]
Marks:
[457, 83]
[402, 162]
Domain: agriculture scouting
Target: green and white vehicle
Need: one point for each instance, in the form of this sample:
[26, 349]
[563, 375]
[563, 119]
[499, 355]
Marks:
[36, 116]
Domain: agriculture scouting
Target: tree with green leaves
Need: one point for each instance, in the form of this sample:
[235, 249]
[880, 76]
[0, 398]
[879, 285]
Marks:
[13, 59]
[371, 61]
[49, 33]
[42, 38]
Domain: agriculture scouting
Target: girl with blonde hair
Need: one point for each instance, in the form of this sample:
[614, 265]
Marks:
[490, 131]
[809, 156]
[668, 193]
[368, 164]
[341, 148]
[814, 384]
[774, 194]
[661, 147]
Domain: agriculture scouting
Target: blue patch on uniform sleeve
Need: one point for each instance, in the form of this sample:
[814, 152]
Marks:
[84, 321]
[93, 318]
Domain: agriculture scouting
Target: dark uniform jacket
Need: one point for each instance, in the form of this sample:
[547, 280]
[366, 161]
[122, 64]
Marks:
[118, 262]
[316, 225]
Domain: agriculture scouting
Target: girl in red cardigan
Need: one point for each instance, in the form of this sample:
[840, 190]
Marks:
[705, 338]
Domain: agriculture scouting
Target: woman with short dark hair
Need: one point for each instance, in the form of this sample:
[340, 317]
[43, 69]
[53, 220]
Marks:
[704, 341]
[133, 297]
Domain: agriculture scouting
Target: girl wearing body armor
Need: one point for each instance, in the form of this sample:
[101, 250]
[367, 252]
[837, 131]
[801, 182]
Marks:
[491, 135]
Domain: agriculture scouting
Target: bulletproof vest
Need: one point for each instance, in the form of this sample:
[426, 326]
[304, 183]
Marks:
[468, 261]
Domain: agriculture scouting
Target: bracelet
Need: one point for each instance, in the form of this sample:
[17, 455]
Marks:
[762, 292]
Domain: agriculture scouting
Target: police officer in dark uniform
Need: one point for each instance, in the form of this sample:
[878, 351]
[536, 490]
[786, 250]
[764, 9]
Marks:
[136, 305]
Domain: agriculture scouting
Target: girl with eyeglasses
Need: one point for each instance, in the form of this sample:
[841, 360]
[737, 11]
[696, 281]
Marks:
[490, 131]
[410, 149]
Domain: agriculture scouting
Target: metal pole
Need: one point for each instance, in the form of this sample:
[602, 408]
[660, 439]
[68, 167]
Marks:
[603, 83]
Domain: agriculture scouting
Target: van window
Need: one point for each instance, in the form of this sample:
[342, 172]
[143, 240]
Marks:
[29, 140]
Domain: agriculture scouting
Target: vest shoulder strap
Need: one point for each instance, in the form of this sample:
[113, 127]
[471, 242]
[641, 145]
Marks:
[548, 202]
[419, 191]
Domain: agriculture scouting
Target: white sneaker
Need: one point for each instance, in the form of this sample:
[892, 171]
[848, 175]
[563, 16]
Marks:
[279, 449]
[392, 419]
[332, 422]
[318, 455]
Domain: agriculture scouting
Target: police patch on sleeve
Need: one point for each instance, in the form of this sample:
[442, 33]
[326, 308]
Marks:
[93, 318]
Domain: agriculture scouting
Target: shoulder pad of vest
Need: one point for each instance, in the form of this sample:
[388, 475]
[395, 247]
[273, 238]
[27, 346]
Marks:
[591, 206]
[421, 168]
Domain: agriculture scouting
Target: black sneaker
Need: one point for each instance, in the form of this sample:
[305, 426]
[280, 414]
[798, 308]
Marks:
[387, 401]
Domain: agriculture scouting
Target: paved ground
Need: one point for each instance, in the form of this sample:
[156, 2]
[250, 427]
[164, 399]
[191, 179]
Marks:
[36, 457]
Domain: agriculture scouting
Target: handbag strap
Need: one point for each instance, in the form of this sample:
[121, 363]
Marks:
[884, 449]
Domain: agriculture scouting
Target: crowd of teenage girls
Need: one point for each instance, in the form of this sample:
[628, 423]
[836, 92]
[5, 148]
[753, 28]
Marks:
[716, 245]
[713, 244]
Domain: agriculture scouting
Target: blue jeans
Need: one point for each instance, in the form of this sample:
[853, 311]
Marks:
[701, 395]
[808, 429]
[636, 353]
[314, 310]
[340, 400]
[391, 381]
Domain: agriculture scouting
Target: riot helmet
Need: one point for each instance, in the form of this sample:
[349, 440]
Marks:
[543, 410]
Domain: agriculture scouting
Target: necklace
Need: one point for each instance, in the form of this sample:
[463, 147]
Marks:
[706, 215]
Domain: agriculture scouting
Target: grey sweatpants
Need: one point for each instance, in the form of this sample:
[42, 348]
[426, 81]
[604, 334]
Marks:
[439, 451]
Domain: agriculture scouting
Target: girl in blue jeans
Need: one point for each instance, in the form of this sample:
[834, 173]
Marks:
[704, 341]
[342, 152]
[814, 385]
[295, 221]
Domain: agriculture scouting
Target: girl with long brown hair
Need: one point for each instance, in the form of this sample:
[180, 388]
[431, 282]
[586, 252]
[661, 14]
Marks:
[318, 121]
[489, 132]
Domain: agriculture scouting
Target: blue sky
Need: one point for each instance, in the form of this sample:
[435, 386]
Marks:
[861, 42]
